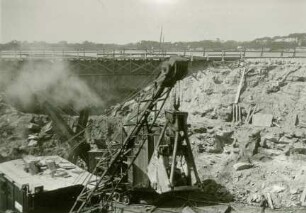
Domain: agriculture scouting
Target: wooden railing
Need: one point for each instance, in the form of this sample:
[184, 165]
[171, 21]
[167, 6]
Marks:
[142, 54]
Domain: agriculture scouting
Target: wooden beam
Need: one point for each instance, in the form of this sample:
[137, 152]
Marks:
[240, 86]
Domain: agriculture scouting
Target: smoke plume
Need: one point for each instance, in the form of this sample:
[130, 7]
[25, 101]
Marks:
[53, 82]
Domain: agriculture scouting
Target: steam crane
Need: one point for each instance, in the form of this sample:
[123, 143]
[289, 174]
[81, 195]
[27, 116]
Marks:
[77, 144]
[143, 161]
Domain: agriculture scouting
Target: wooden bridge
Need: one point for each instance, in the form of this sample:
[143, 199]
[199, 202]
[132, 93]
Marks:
[132, 62]
[144, 54]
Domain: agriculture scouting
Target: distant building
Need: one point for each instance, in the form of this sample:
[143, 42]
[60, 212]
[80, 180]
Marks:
[286, 39]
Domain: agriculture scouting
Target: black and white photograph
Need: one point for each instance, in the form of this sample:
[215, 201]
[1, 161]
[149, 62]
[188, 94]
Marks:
[152, 106]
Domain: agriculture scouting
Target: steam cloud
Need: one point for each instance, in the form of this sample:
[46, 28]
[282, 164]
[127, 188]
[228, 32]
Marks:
[53, 82]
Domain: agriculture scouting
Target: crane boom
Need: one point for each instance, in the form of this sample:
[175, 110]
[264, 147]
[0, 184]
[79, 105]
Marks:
[139, 126]
[78, 145]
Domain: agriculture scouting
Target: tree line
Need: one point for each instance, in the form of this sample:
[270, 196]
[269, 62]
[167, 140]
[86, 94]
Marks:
[275, 43]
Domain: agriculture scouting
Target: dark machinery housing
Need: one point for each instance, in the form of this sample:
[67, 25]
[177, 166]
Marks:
[40, 184]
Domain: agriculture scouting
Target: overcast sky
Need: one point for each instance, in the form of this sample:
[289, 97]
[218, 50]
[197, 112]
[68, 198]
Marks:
[123, 21]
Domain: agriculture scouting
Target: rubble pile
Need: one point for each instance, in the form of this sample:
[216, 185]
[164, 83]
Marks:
[264, 153]
[28, 134]
[34, 134]
[13, 131]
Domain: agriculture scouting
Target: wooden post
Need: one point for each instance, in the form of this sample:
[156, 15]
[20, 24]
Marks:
[237, 113]
[222, 55]
[303, 197]
[240, 86]
[174, 157]
[233, 113]
[270, 202]
[161, 136]
[294, 52]
[191, 156]
[261, 54]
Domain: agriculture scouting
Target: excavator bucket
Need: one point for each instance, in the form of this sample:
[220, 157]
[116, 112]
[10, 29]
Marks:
[157, 174]
[164, 169]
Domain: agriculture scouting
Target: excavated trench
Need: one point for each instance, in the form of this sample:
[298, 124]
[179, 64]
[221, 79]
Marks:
[243, 160]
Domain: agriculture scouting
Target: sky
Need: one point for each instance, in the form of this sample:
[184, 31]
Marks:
[125, 21]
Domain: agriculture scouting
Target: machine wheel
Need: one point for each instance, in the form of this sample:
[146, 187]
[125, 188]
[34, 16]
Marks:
[116, 197]
[126, 199]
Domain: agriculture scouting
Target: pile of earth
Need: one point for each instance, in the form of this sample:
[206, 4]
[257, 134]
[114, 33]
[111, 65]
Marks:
[26, 134]
[250, 159]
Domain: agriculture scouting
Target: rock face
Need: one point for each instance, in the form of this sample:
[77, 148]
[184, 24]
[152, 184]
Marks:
[264, 156]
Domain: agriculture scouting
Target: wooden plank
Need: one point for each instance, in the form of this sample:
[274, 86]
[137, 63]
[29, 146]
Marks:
[233, 113]
[239, 115]
[303, 197]
[270, 202]
[252, 113]
[240, 86]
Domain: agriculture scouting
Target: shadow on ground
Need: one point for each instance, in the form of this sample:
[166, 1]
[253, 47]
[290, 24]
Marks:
[209, 193]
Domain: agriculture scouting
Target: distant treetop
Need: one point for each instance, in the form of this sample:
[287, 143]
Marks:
[277, 42]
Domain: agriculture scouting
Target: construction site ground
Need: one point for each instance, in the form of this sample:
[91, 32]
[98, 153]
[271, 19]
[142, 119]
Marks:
[238, 160]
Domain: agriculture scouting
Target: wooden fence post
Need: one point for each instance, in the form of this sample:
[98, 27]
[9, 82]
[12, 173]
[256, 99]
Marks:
[223, 54]
[294, 53]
